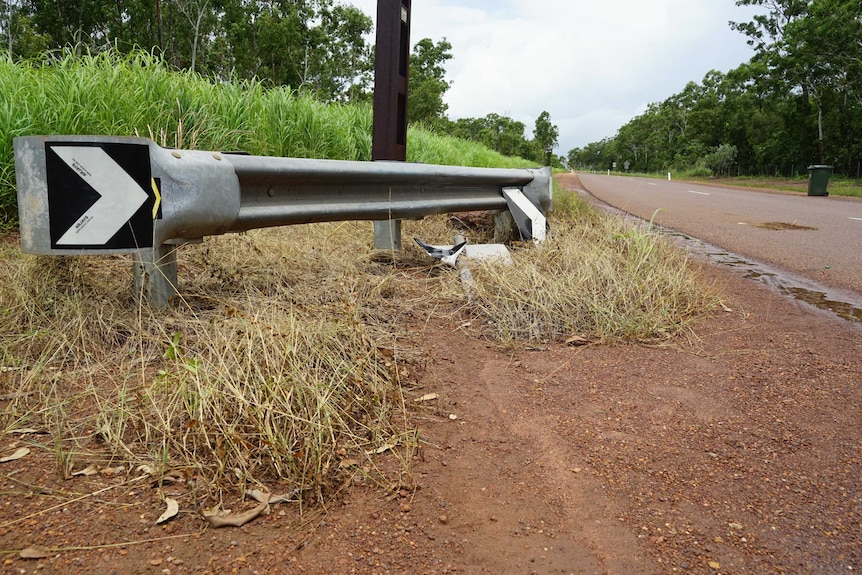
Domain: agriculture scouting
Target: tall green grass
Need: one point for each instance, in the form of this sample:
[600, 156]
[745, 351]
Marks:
[429, 147]
[137, 94]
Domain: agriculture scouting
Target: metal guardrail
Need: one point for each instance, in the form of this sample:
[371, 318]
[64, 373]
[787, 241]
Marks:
[99, 195]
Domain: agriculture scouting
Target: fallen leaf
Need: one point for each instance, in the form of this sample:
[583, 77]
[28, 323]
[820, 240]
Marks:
[169, 478]
[349, 462]
[87, 471]
[216, 511]
[736, 526]
[239, 519]
[577, 340]
[18, 454]
[145, 469]
[25, 430]
[426, 397]
[112, 470]
[33, 553]
[382, 449]
[171, 511]
[260, 496]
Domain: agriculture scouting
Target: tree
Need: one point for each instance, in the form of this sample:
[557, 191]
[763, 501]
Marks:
[19, 37]
[545, 135]
[427, 81]
[767, 30]
[593, 156]
[194, 11]
[720, 159]
[341, 62]
[503, 134]
[78, 24]
[811, 47]
[499, 133]
[314, 45]
[797, 101]
[8, 11]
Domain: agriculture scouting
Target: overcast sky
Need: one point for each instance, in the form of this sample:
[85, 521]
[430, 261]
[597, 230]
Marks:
[592, 64]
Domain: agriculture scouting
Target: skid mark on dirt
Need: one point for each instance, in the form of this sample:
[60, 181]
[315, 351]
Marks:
[557, 471]
[502, 515]
[525, 500]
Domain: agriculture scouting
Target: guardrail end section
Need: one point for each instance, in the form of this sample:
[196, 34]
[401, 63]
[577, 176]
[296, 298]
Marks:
[541, 190]
[531, 222]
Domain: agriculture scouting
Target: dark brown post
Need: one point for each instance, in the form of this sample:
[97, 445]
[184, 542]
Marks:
[391, 73]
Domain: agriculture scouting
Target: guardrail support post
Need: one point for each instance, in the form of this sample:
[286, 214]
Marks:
[387, 235]
[155, 272]
[391, 72]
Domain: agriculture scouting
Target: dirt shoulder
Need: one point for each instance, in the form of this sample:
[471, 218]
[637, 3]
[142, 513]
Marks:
[735, 451]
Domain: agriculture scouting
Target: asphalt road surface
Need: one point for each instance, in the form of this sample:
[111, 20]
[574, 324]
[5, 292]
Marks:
[817, 237]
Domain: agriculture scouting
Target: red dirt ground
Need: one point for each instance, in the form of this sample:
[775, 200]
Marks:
[735, 451]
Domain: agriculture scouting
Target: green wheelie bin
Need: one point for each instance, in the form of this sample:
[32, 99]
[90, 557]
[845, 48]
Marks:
[818, 179]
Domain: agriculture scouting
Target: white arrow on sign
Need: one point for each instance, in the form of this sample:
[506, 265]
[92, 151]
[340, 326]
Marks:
[121, 196]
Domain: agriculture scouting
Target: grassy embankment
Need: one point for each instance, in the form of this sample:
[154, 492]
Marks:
[288, 358]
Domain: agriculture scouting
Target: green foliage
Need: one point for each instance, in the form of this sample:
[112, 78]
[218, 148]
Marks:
[314, 45]
[798, 101]
[429, 147]
[593, 156]
[545, 135]
[720, 160]
[428, 81]
[695, 173]
[506, 136]
[499, 133]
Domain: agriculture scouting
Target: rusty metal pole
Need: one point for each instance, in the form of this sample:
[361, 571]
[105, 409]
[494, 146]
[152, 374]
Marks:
[391, 73]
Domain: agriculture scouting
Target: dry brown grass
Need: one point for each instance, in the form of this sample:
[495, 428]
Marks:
[599, 277]
[285, 360]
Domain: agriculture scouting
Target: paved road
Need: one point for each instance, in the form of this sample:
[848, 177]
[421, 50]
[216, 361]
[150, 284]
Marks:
[736, 220]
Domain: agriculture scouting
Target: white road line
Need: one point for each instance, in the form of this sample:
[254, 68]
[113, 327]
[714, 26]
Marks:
[698, 193]
[857, 219]
[653, 184]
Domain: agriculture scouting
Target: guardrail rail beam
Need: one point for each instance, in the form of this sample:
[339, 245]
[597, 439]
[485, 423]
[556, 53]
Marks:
[104, 195]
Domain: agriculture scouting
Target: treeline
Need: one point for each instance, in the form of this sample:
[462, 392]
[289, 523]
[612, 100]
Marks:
[797, 102]
[316, 47]
[507, 136]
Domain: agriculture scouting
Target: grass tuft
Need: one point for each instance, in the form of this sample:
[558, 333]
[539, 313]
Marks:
[600, 276]
[280, 362]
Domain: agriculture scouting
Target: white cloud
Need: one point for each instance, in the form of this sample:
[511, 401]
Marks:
[591, 64]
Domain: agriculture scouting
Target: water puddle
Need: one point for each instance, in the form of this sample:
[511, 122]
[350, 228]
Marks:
[842, 303]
